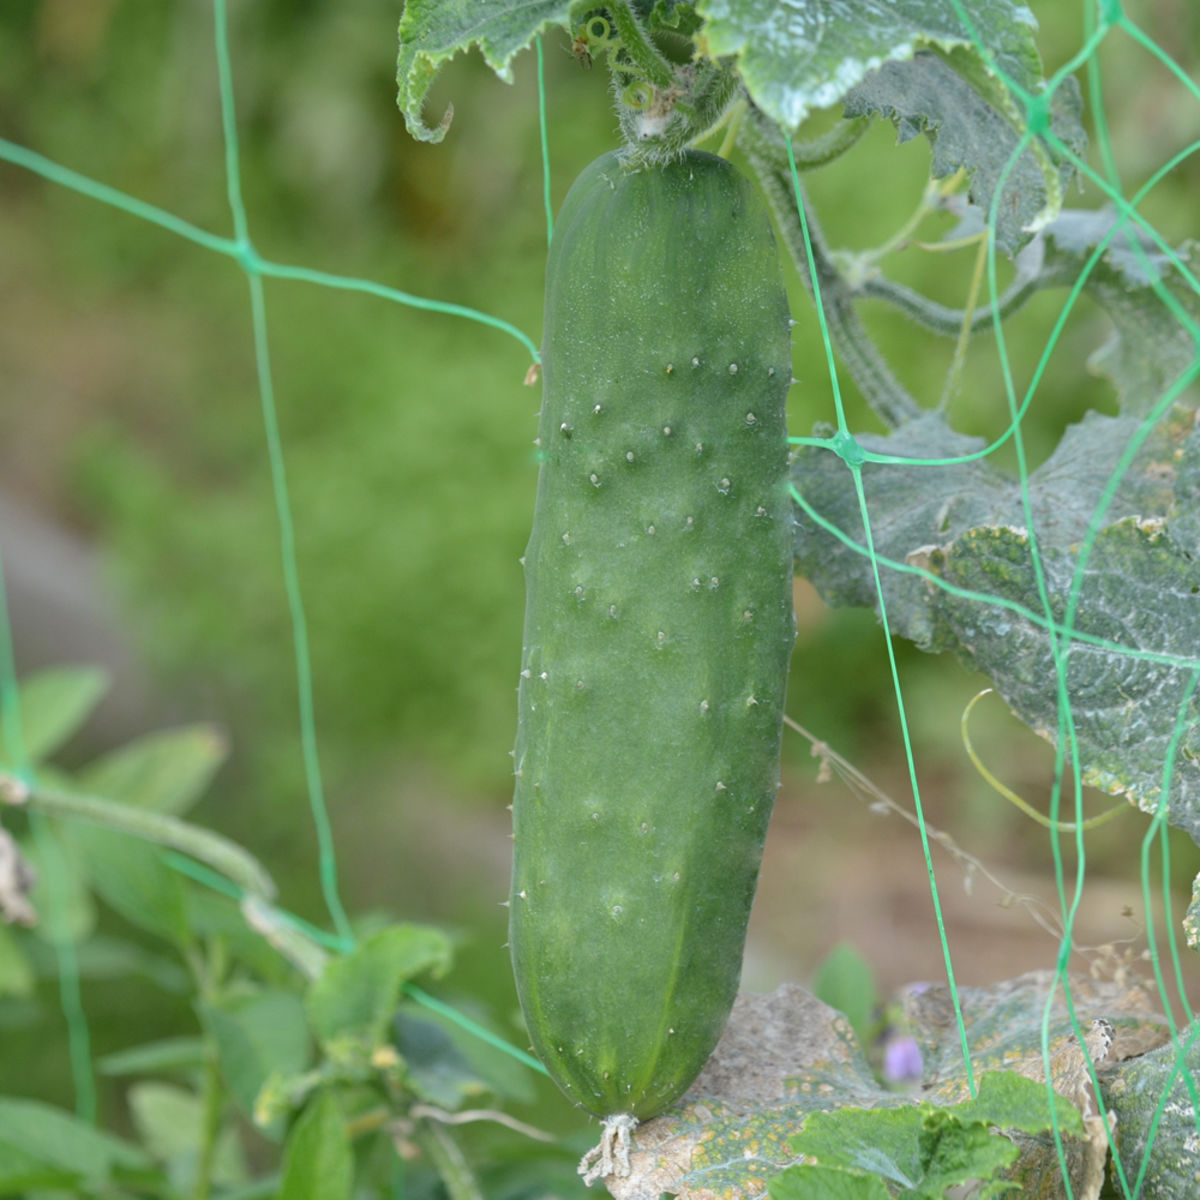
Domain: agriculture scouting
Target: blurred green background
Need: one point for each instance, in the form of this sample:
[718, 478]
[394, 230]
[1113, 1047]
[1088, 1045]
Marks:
[139, 529]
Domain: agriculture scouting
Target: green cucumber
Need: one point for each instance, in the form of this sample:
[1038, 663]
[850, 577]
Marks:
[658, 627]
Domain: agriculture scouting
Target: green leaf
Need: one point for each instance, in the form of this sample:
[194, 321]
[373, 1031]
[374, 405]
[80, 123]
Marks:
[819, 1182]
[1012, 1101]
[168, 1120]
[166, 1056]
[436, 1068]
[974, 130]
[256, 1035]
[43, 1146]
[921, 1149]
[54, 704]
[170, 1124]
[498, 1071]
[927, 1149]
[797, 56]
[357, 994]
[318, 1163]
[844, 980]
[433, 31]
[882, 1142]
[16, 971]
[132, 878]
[166, 772]
[953, 1152]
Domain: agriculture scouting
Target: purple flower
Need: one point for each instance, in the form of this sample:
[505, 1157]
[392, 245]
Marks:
[902, 1061]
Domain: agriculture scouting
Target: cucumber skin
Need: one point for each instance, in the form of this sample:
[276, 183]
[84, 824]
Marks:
[658, 627]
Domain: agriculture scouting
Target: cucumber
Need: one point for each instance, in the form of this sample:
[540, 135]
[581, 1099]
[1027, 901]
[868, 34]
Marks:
[658, 627]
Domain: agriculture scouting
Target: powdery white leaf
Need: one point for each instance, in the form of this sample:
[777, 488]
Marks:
[797, 56]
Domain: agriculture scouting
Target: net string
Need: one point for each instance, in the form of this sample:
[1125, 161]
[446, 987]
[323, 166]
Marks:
[287, 535]
[1060, 632]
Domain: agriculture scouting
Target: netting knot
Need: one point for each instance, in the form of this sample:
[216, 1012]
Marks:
[247, 257]
[847, 449]
[1037, 113]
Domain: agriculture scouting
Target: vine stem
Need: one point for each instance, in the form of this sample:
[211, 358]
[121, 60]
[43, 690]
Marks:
[640, 49]
[213, 1098]
[223, 855]
[940, 318]
[208, 973]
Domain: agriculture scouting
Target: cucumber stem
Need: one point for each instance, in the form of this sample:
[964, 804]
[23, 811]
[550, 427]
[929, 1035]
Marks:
[611, 1156]
[641, 50]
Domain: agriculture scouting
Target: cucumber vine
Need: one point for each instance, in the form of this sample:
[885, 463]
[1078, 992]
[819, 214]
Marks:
[666, 97]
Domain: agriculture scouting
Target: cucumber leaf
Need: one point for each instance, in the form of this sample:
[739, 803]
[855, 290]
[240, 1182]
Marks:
[433, 31]
[969, 126]
[1154, 307]
[965, 525]
[1155, 1115]
[925, 1149]
[797, 56]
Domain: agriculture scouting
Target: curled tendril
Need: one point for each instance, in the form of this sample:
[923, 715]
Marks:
[598, 31]
[638, 95]
[1057, 826]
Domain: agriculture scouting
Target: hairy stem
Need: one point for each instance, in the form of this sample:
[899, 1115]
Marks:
[940, 318]
[639, 48]
[761, 137]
